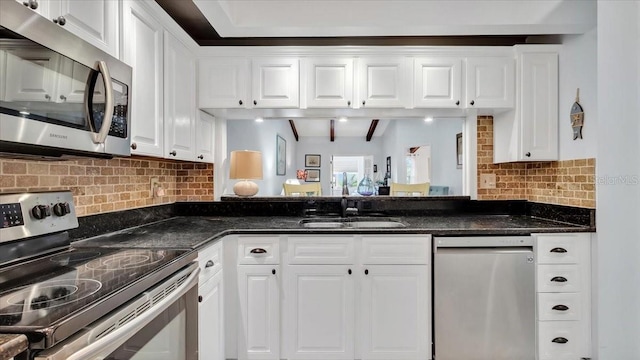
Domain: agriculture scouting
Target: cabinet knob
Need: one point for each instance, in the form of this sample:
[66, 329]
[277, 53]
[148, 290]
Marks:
[33, 4]
[363, 102]
[255, 102]
[173, 153]
[458, 102]
[472, 102]
[60, 20]
[560, 308]
[560, 279]
[134, 146]
[63, 98]
[47, 96]
[240, 102]
[349, 271]
[258, 251]
[201, 157]
[558, 250]
[273, 271]
[199, 298]
[528, 154]
[348, 103]
[366, 271]
[209, 264]
[560, 340]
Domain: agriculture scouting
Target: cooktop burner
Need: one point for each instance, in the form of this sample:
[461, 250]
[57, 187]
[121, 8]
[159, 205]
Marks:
[127, 259]
[76, 257]
[49, 294]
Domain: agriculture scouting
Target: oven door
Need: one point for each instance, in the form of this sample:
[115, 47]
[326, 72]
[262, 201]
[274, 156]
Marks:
[161, 324]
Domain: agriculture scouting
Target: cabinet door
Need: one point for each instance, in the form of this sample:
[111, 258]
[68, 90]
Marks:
[143, 51]
[490, 82]
[205, 135]
[321, 311]
[211, 319]
[179, 100]
[329, 82]
[383, 82]
[539, 106]
[396, 308]
[259, 325]
[223, 83]
[438, 82]
[94, 21]
[275, 83]
[31, 75]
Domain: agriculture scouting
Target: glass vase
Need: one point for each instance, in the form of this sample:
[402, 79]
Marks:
[366, 188]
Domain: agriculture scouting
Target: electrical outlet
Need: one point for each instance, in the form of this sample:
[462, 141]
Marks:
[487, 181]
[152, 184]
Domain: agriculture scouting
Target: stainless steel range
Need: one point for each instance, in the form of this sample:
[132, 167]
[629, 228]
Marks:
[90, 303]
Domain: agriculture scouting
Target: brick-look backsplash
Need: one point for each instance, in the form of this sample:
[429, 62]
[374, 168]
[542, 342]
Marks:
[100, 185]
[568, 182]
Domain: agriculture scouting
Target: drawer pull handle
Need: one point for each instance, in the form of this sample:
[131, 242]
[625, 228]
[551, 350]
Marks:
[209, 264]
[559, 279]
[258, 251]
[558, 250]
[560, 340]
[560, 308]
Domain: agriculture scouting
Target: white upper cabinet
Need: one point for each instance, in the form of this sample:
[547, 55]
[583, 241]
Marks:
[383, 82]
[205, 135]
[437, 82]
[329, 82]
[223, 83]
[143, 51]
[275, 83]
[529, 132]
[95, 21]
[179, 100]
[490, 82]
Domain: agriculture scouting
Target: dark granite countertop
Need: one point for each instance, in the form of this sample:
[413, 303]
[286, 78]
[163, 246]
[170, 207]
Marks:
[195, 231]
[12, 345]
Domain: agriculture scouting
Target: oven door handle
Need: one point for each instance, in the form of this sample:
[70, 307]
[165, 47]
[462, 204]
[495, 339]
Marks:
[106, 345]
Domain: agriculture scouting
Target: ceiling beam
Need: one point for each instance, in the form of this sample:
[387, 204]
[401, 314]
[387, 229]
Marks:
[372, 129]
[332, 133]
[293, 128]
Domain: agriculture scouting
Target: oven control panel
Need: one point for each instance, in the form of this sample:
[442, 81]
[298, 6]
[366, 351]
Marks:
[37, 213]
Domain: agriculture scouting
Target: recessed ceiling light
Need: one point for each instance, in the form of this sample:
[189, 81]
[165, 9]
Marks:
[259, 119]
[428, 119]
[343, 119]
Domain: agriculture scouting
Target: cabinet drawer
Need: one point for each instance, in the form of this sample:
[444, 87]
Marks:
[321, 250]
[258, 250]
[396, 249]
[559, 340]
[210, 261]
[558, 278]
[560, 249]
[559, 306]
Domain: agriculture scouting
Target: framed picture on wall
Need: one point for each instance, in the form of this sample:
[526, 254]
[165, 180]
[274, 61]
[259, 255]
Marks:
[312, 160]
[313, 175]
[281, 155]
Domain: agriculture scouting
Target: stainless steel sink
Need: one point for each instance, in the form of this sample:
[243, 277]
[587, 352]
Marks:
[352, 223]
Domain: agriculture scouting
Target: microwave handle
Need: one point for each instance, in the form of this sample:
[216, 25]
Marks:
[101, 136]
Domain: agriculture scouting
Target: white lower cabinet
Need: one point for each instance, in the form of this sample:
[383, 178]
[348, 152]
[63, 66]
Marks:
[211, 322]
[395, 307]
[321, 312]
[259, 312]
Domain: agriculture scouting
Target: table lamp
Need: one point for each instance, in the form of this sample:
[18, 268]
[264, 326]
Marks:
[245, 165]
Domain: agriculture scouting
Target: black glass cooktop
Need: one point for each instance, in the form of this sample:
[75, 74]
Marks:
[42, 292]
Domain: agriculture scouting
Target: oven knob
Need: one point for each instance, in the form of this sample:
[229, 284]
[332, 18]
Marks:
[61, 209]
[40, 211]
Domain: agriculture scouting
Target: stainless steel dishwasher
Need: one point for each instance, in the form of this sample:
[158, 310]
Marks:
[484, 298]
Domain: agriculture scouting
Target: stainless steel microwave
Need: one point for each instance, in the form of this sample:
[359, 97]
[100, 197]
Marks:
[59, 95]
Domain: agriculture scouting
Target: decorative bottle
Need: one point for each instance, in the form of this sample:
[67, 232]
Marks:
[345, 187]
[366, 188]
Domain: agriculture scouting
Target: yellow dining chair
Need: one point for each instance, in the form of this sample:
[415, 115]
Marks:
[313, 189]
[421, 189]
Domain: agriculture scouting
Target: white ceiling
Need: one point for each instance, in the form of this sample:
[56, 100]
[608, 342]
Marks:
[314, 18]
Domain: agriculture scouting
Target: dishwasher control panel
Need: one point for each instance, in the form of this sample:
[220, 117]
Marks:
[483, 241]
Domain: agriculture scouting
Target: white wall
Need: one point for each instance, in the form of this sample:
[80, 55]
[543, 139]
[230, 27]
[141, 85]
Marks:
[250, 135]
[618, 239]
[578, 64]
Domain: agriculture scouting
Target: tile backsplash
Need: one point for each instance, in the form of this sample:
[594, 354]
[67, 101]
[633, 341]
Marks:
[100, 185]
[567, 182]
